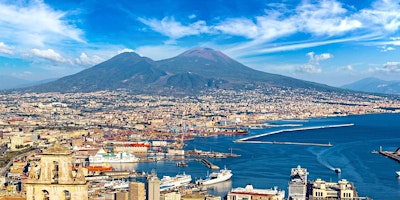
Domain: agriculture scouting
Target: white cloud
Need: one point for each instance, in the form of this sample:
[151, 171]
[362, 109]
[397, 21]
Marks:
[88, 61]
[312, 66]
[239, 27]
[5, 48]
[390, 67]
[384, 13]
[346, 68]
[24, 74]
[309, 68]
[49, 54]
[170, 27]
[160, 52]
[124, 50]
[325, 18]
[34, 23]
[386, 48]
[192, 16]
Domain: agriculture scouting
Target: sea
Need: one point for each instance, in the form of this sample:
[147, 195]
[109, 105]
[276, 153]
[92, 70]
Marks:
[268, 165]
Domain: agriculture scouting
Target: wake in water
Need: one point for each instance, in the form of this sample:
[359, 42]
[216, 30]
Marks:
[321, 158]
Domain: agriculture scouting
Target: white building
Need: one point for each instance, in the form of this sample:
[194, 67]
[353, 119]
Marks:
[298, 184]
[260, 194]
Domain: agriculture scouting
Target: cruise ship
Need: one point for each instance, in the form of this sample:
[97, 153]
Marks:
[216, 177]
[168, 182]
[104, 157]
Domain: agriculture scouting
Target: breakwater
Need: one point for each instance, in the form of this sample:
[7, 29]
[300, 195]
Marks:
[247, 139]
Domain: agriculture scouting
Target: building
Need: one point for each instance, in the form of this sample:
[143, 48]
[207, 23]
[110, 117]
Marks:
[298, 184]
[260, 194]
[171, 196]
[153, 188]
[320, 189]
[52, 178]
[136, 191]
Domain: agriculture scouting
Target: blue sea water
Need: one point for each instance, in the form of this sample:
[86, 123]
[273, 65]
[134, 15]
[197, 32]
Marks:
[269, 165]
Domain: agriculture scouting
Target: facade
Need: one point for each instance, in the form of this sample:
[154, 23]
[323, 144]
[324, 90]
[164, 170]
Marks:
[52, 178]
[171, 196]
[153, 188]
[320, 189]
[260, 194]
[298, 184]
[136, 191]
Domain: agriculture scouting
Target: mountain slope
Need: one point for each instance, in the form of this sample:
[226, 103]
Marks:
[223, 71]
[375, 85]
[194, 70]
[126, 70]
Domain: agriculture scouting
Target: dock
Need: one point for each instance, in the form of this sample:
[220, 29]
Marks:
[293, 129]
[289, 143]
[209, 164]
[393, 155]
[248, 139]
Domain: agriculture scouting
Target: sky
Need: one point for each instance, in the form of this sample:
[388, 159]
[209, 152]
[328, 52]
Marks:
[334, 42]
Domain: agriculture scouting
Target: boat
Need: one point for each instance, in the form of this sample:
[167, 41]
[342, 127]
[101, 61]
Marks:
[181, 164]
[116, 184]
[168, 182]
[120, 157]
[338, 170]
[398, 173]
[374, 151]
[216, 177]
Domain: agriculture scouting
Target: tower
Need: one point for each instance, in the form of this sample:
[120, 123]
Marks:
[52, 178]
[153, 188]
[136, 191]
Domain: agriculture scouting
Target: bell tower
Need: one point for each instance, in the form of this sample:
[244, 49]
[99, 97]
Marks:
[52, 178]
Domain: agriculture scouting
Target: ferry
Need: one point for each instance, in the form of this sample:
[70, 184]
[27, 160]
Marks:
[104, 157]
[168, 182]
[216, 177]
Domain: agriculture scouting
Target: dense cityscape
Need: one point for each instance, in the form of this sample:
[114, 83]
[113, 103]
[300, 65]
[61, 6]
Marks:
[78, 127]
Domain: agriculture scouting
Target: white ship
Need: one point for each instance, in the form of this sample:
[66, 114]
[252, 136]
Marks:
[104, 157]
[168, 182]
[398, 173]
[216, 177]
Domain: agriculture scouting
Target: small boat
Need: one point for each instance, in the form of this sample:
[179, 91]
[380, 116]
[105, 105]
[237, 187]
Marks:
[374, 152]
[338, 170]
[181, 164]
[398, 173]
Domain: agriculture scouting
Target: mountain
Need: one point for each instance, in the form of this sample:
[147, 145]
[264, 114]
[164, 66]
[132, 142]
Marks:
[189, 72]
[126, 70]
[375, 85]
[9, 82]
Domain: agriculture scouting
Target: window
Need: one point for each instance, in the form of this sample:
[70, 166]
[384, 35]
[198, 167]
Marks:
[67, 195]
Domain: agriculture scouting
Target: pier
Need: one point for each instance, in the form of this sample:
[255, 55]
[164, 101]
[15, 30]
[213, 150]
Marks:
[246, 139]
[393, 155]
[209, 164]
[289, 143]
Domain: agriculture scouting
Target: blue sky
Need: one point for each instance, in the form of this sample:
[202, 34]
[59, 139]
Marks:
[327, 41]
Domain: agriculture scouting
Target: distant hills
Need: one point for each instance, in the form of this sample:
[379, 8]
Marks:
[375, 85]
[190, 72]
[10, 82]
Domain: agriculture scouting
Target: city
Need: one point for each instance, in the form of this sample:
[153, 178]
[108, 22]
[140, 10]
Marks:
[141, 125]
